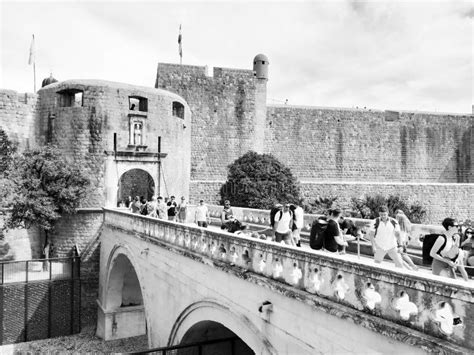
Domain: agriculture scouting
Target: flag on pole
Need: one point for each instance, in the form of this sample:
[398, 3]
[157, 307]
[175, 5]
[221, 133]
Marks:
[31, 59]
[180, 45]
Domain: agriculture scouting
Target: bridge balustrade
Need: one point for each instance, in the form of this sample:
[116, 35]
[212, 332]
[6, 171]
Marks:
[437, 306]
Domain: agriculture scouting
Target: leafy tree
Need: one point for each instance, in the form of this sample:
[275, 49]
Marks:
[40, 185]
[7, 149]
[259, 181]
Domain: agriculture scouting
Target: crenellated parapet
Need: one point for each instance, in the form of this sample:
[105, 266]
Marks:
[419, 309]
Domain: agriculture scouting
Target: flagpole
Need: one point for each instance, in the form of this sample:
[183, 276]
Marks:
[34, 76]
[32, 60]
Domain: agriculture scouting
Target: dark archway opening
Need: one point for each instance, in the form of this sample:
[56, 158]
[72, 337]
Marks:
[209, 330]
[135, 182]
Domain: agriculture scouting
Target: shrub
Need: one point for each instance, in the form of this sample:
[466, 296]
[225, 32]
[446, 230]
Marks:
[368, 207]
[320, 205]
[259, 181]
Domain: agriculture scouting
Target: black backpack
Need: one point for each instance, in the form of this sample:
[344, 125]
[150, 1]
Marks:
[428, 241]
[316, 236]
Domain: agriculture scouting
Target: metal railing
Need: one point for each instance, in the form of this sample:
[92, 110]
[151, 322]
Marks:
[227, 345]
[39, 269]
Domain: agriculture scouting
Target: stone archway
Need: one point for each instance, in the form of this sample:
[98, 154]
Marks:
[210, 330]
[135, 182]
[209, 320]
[121, 307]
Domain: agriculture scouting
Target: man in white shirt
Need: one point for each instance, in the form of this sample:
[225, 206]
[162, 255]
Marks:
[202, 215]
[386, 238]
[283, 225]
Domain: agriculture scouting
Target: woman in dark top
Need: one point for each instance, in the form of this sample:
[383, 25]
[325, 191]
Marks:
[332, 234]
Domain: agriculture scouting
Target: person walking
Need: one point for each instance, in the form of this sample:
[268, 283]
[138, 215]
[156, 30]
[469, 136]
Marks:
[172, 207]
[161, 209]
[283, 225]
[152, 207]
[298, 222]
[135, 205]
[201, 216]
[405, 230]
[182, 210]
[446, 254]
[385, 238]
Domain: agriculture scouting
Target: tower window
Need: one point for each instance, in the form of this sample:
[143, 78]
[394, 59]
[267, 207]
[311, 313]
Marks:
[70, 98]
[178, 109]
[138, 103]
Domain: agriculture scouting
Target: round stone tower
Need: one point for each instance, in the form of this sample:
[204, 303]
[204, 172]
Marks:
[260, 66]
[260, 69]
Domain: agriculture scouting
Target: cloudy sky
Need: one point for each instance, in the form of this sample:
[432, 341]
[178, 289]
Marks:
[404, 55]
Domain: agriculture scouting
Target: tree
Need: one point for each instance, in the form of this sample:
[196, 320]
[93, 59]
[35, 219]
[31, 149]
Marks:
[40, 186]
[259, 181]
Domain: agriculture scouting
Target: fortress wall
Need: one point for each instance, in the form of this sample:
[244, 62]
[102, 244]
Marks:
[84, 133]
[362, 145]
[224, 123]
[17, 117]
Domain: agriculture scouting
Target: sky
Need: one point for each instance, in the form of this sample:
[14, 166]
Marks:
[387, 55]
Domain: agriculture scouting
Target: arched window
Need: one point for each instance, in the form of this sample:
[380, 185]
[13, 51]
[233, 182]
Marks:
[178, 109]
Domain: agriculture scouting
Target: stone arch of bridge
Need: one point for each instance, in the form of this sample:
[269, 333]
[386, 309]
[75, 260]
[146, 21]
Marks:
[214, 311]
[122, 276]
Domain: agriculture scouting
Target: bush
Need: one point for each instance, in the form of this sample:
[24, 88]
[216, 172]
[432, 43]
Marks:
[259, 181]
[321, 205]
[368, 207]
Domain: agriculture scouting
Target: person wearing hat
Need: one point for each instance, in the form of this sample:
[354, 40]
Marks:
[201, 216]
[182, 210]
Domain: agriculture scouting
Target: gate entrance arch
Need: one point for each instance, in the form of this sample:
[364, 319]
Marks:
[135, 182]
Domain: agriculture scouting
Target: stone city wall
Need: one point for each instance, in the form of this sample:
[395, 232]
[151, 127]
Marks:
[17, 117]
[228, 109]
[366, 145]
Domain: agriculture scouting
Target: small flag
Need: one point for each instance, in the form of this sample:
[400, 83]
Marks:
[31, 59]
[179, 43]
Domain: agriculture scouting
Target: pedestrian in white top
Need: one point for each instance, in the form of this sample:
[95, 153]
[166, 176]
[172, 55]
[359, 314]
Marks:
[201, 216]
[386, 238]
[298, 222]
[283, 225]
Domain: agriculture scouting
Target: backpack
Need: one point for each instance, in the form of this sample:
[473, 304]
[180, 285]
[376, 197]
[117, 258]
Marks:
[428, 242]
[316, 236]
[377, 223]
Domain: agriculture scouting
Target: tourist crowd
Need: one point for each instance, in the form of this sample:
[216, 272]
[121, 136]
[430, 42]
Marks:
[448, 252]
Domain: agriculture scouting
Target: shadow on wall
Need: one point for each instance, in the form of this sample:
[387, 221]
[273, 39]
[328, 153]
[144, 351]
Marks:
[460, 161]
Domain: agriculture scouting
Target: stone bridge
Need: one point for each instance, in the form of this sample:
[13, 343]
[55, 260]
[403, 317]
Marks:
[180, 284]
